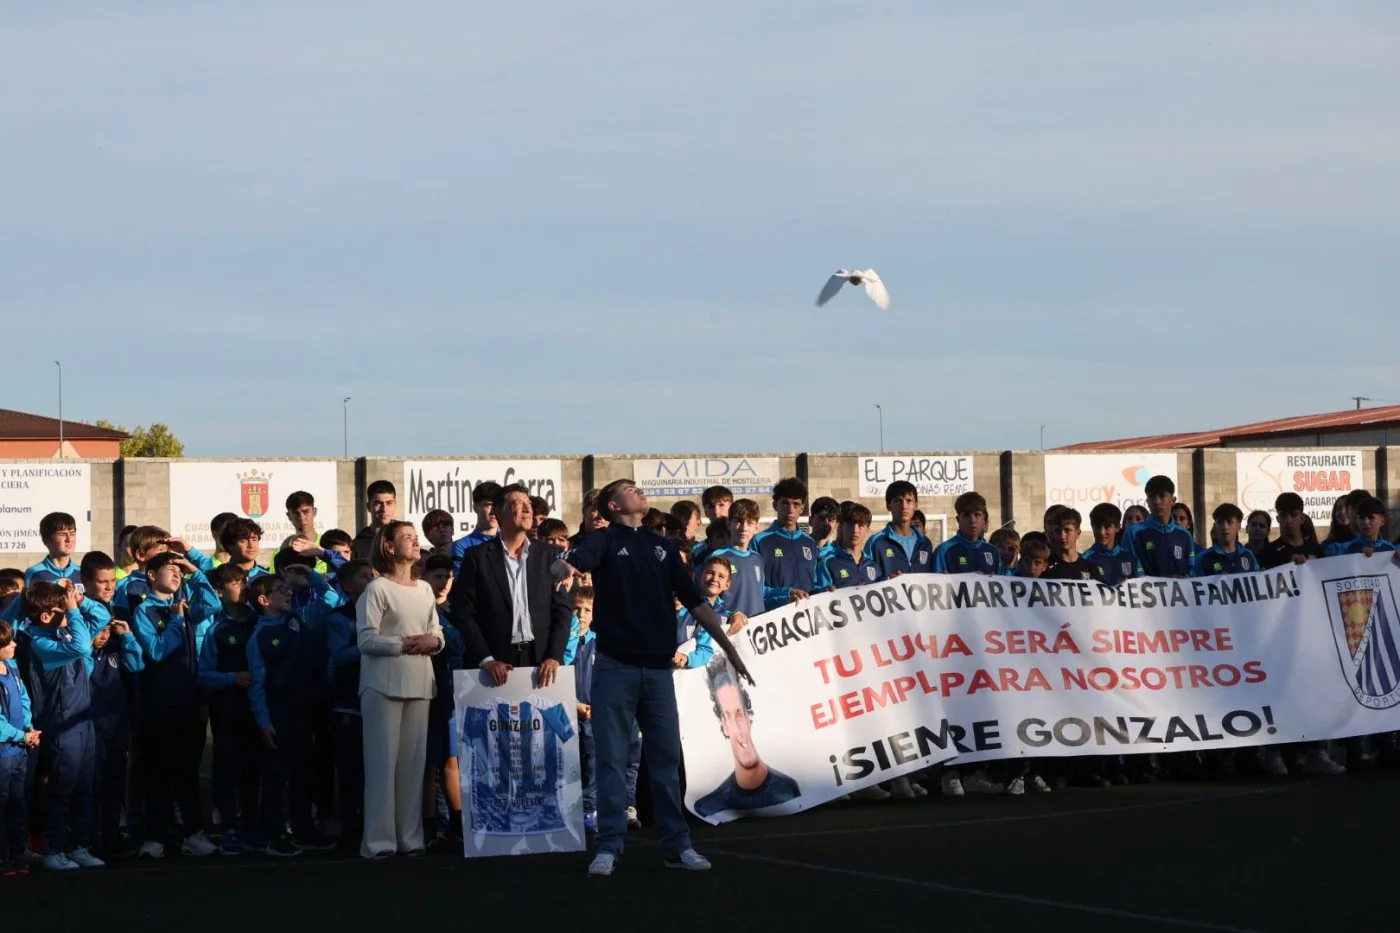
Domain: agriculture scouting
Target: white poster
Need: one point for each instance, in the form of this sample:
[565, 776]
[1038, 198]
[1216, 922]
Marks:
[1082, 481]
[1320, 476]
[518, 756]
[448, 485]
[249, 489]
[745, 477]
[862, 685]
[29, 491]
[931, 475]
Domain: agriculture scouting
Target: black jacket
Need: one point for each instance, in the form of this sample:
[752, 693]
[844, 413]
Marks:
[483, 612]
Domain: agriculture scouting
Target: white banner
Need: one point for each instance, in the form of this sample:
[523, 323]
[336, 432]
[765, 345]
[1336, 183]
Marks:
[518, 756]
[448, 485]
[862, 685]
[1082, 481]
[931, 475]
[745, 477]
[250, 489]
[1321, 477]
[29, 491]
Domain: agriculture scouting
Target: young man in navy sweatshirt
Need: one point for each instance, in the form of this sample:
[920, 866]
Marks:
[1161, 547]
[968, 551]
[637, 576]
[900, 547]
[789, 553]
[59, 532]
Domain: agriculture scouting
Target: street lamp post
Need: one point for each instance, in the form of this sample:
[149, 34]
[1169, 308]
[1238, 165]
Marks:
[1042, 437]
[345, 424]
[60, 408]
[882, 427]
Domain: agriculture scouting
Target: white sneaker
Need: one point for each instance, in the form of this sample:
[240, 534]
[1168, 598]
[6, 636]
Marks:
[1038, 784]
[151, 850]
[1274, 765]
[198, 845]
[602, 864]
[900, 789]
[86, 859]
[633, 821]
[689, 860]
[979, 783]
[952, 784]
[57, 861]
[1016, 787]
[1316, 761]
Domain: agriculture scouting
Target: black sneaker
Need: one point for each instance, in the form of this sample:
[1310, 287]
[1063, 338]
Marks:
[313, 840]
[282, 846]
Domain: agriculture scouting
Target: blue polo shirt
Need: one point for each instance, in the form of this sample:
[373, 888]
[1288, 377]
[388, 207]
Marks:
[893, 553]
[960, 554]
[1216, 560]
[789, 558]
[840, 568]
[1113, 565]
[637, 575]
[1161, 550]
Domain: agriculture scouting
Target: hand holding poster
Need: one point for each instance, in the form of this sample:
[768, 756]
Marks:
[518, 758]
[866, 684]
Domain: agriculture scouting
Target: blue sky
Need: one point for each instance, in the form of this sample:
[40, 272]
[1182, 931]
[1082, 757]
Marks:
[1128, 218]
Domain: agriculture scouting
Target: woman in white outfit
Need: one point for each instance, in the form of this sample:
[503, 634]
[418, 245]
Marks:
[398, 633]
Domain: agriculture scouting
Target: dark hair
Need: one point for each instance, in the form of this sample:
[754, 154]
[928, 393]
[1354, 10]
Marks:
[1135, 508]
[43, 596]
[380, 487]
[1034, 548]
[918, 518]
[351, 568]
[1289, 502]
[297, 499]
[721, 675]
[54, 522]
[744, 510]
[491, 491]
[1226, 511]
[1369, 505]
[552, 526]
[854, 513]
[715, 495]
[686, 511]
[790, 488]
[670, 525]
[540, 506]
[336, 538]
[498, 494]
[1067, 514]
[224, 574]
[1355, 496]
[7, 634]
[822, 507]
[715, 532]
[1052, 514]
[1310, 532]
[1268, 519]
[655, 520]
[11, 575]
[898, 490]
[94, 562]
[217, 523]
[290, 558]
[1187, 509]
[970, 502]
[239, 529]
[1035, 536]
[1158, 485]
[438, 562]
[262, 586]
[1105, 513]
[160, 560]
[437, 518]
[607, 494]
[1339, 531]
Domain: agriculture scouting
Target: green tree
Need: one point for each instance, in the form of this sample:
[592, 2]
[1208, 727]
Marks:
[155, 441]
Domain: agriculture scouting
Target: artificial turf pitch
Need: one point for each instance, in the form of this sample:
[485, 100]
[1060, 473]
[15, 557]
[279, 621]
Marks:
[1234, 855]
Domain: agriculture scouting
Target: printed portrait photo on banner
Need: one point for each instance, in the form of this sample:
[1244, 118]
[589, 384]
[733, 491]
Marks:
[753, 785]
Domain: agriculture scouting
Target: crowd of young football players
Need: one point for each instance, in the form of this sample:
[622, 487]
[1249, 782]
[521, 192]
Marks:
[117, 672]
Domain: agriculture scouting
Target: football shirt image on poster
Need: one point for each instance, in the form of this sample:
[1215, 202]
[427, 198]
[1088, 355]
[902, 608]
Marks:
[518, 758]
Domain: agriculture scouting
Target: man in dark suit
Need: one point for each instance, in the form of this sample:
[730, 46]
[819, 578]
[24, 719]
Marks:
[506, 603]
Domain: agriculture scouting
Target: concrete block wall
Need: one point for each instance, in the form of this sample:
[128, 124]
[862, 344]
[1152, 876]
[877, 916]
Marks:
[1013, 483]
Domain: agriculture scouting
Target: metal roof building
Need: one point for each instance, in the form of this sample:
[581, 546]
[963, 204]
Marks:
[1362, 427]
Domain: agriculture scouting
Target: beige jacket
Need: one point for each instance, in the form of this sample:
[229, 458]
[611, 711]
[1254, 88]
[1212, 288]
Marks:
[387, 612]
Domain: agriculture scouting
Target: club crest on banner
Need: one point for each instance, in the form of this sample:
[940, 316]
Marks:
[253, 493]
[1366, 629]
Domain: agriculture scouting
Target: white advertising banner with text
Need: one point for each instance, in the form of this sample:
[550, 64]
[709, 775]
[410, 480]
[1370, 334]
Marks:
[1320, 477]
[448, 485]
[745, 477]
[861, 685]
[249, 489]
[931, 475]
[29, 491]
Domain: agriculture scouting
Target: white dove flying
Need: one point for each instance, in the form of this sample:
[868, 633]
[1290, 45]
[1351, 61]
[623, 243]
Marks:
[867, 277]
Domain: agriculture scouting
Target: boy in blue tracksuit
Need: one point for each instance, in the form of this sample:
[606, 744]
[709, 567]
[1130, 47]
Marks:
[714, 581]
[1226, 555]
[224, 675]
[968, 551]
[1161, 547]
[1112, 564]
[59, 532]
[900, 547]
[583, 685]
[116, 659]
[146, 543]
[747, 591]
[17, 738]
[169, 729]
[789, 553]
[286, 661]
[582, 621]
[53, 654]
[844, 562]
[343, 674]
[1367, 522]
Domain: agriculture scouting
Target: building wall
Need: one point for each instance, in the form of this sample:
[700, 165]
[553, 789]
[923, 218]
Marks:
[48, 449]
[1013, 483]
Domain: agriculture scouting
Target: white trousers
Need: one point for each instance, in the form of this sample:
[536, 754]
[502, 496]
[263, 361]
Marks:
[396, 753]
